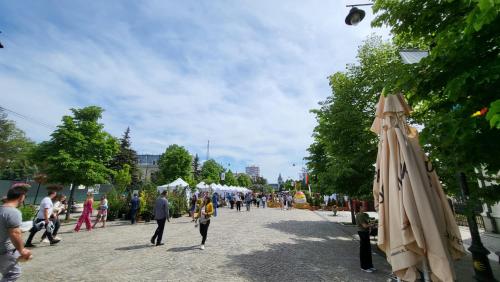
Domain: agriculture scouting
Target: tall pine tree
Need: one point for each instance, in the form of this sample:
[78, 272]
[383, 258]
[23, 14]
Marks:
[196, 168]
[127, 156]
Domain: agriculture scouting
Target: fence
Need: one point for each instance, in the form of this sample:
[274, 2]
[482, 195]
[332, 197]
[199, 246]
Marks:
[461, 217]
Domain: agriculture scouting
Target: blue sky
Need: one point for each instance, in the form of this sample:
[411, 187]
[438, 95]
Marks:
[242, 74]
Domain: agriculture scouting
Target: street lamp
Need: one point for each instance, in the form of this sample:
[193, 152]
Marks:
[355, 15]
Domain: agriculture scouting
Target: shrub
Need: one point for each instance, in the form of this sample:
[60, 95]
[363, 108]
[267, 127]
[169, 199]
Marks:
[116, 204]
[28, 212]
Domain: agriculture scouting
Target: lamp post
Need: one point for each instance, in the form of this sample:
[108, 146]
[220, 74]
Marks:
[481, 263]
[1, 46]
[355, 15]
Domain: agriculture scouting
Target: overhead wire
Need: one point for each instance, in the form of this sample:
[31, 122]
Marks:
[29, 119]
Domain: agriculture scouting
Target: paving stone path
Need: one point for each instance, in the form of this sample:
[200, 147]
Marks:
[260, 245]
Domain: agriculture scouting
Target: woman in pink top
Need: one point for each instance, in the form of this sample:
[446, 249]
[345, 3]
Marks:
[87, 212]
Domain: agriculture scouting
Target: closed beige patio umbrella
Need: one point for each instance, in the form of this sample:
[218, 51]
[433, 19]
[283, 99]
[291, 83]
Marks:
[417, 229]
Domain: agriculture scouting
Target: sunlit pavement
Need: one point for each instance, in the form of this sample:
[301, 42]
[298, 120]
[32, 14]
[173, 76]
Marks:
[260, 245]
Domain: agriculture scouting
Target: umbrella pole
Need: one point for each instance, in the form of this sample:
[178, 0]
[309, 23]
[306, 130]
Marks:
[425, 270]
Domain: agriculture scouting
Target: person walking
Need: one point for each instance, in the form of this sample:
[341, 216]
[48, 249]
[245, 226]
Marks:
[365, 249]
[11, 238]
[264, 199]
[237, 199]
[134, 207]
[59, 208]
[204, 214]
[289, 201]
[43, 220]
[193, 206]
[215, 202]
[161, 215]
[231, 200]
[248, 201]
[102, 214]
[87, 212]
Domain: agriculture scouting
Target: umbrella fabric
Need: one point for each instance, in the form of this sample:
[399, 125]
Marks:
[416, 224]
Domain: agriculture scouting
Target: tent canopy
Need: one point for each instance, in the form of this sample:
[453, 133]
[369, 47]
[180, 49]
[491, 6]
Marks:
[171, 186]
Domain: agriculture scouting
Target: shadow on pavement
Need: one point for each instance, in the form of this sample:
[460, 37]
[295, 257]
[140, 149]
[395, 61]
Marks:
[183, 249]
[321, 252]
[137, 247]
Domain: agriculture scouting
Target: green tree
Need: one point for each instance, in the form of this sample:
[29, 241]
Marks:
[244, 180]
[14, 151]
[127, 156]
[196, 168]
[460, 76]
[344, 150]
[123, 179]
[174, 163]
[211, 171]
[230, 180]
[79, 150]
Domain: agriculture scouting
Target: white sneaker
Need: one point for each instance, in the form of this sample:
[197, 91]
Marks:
[367, 270]
[373, 269]
[45, 240]
[58, 238]
[202, 247]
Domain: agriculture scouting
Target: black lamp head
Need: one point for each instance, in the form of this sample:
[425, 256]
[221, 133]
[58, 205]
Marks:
[355, 16]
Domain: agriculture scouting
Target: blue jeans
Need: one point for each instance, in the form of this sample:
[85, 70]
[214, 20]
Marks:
[133, 215]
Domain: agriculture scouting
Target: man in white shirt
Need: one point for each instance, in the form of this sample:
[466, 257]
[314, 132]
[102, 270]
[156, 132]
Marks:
[43, 215]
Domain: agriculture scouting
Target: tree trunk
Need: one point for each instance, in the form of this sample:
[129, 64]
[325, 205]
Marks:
[70, 201]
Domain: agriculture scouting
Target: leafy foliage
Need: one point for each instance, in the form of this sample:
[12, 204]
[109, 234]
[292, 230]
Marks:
[123, 179]
[14, 151]
[244, 180]
[196, 168]
[344, 150]
[127, 157]
[174, 163]
[230, 180]
[460, 76]
[211, 171]
[79, 150]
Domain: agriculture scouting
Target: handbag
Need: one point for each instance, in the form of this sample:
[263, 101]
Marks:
[203, 219]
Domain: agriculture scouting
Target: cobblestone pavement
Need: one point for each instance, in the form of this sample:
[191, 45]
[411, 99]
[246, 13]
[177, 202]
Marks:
[463, 267]
[261, 245]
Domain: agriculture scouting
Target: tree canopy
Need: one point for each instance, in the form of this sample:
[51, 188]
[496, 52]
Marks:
[459, 78]
[14, 151]
[342, 155]
[244, 180]
[230, 180]
[126, 156]
[211, 171]
[79, 150]
[174, 163]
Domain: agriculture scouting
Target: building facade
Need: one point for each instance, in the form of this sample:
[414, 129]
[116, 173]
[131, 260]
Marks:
[148, 164]
[253, 171]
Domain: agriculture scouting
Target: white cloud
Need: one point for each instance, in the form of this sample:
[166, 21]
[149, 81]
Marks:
[242, 74]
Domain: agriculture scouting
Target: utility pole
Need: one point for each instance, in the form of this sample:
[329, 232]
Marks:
[208, 150]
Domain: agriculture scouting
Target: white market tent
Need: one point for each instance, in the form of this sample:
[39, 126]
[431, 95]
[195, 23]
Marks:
[218, 188]
[178, 183]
